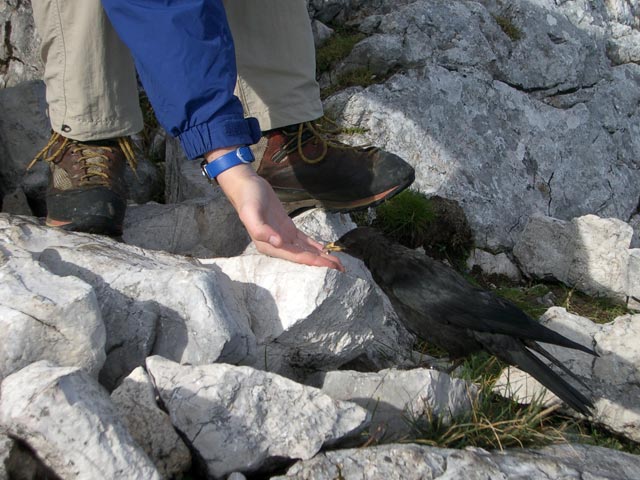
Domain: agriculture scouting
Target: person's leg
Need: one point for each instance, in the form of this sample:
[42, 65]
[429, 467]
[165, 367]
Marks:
[89, 74]
[92, 96]
[276, 61]
[303, 162]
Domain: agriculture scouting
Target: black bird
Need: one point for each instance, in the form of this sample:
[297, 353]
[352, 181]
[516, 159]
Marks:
[440, 306]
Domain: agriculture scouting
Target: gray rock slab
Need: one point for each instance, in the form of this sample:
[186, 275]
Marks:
[150, 426]
[151, 302]
[24, 130]
[46, 317]
[5, 450]
[145, 184]
[241, 419]
[413, 462]
[67, 418]
[635, 224]
[206, 227]
[399, 400]
[20, 49]
[183, 177]
[498, 124]
[589, 253]
[16, 203]
[321, 33]
[612, 379]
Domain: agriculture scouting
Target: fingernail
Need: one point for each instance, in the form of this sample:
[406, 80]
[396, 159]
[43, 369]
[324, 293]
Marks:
[273, 240]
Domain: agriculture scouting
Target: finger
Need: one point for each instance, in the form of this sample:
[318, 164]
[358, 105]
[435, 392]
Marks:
[298, 255]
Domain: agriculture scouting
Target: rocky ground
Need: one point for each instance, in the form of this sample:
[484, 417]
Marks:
[180, 350]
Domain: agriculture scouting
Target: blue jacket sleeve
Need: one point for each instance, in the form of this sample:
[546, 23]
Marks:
[185, 58]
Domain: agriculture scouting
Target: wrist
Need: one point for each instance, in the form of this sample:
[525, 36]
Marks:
[220, 160]
[234, 175]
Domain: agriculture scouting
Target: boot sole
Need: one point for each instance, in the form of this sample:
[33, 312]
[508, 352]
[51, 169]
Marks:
[340, 207]
[98, 210]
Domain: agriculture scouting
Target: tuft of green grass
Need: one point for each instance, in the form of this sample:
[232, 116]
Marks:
[336, 48]
[598, 309]
[358, 77]
[508, 27]
[406, 218]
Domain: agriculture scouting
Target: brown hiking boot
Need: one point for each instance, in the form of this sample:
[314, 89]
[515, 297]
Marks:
[307, 166]
[86, 191]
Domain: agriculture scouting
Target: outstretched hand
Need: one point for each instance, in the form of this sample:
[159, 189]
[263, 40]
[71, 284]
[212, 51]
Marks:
[267, 222]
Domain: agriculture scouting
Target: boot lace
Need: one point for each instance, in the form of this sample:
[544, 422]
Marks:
[322, 132]
[92, 158]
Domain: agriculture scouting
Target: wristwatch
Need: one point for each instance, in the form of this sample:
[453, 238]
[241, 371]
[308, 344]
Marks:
[225, 162]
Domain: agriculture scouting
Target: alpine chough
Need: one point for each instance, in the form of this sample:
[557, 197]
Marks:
[441, 307]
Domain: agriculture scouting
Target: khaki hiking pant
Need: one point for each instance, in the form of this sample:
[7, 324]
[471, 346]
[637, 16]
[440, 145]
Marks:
[90, 77]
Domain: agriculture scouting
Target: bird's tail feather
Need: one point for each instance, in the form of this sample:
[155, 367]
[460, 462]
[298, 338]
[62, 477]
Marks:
[558, 339]
[537, 348]
[527, 361]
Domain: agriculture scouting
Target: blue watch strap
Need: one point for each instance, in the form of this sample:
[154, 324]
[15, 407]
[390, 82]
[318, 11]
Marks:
[225, 162]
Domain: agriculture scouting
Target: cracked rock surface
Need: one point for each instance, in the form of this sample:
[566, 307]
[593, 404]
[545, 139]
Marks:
[397, 398]
[240, 419]
[413, 462]
[151, 302]
[150, 426]
[19, 44]
[46, 317]
[498, 122]
[67, 418]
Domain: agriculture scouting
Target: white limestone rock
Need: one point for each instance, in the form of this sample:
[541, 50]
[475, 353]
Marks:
[241, 419]
[46, 317]
[314, 318]
[414, 462]
[151, 302]
[490, 264]
[399, 399]
[67, 418]
[309, 318]
[613, 378]
[323, 226]
[151, 427]
[589, 252]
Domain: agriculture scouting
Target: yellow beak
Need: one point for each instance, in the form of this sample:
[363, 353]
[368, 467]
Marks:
[332, 247]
